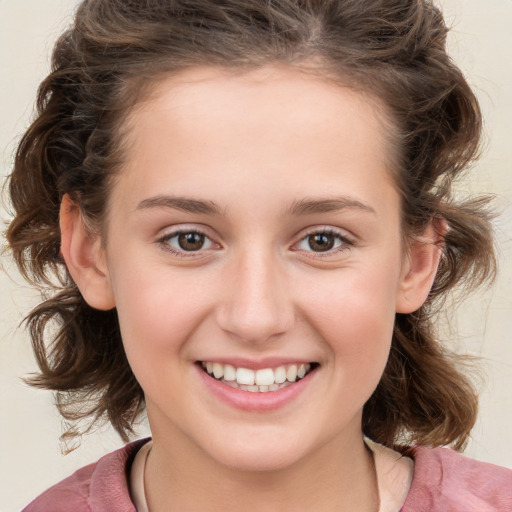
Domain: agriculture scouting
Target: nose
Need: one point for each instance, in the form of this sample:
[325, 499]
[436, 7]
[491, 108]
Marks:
[256, 305]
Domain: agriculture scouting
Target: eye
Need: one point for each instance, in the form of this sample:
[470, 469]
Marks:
[180, 242]
[323, 242]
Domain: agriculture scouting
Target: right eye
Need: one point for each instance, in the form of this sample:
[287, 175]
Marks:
[182, 242]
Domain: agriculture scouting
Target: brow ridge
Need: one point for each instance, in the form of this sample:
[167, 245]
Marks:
[299, 207]
[325, 205]
[184, 204]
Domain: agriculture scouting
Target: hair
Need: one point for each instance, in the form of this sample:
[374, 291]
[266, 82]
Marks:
[394, 50]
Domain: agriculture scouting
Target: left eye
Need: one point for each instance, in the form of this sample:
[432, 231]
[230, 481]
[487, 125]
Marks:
[188, 241]
[321, 242]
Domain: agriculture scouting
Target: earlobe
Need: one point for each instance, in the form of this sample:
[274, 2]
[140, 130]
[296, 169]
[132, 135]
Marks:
[420, 268]
[84, 257]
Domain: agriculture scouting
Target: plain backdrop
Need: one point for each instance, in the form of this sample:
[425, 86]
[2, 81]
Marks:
[480, 42]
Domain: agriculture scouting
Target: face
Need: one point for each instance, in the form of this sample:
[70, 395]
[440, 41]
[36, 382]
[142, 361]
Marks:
[253, 234]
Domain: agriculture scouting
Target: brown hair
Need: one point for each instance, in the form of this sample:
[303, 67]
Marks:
[393, 49]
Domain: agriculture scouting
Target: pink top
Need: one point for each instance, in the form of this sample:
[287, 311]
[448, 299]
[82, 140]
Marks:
[446, 481]
[443, 481]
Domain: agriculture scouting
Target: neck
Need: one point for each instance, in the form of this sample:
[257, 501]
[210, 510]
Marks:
[340, 476]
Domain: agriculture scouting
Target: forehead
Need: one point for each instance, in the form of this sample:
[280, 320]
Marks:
[304, 96]
[277, 123]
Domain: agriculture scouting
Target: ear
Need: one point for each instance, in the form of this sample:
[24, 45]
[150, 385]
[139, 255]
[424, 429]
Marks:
[420, 267]
[84, 256]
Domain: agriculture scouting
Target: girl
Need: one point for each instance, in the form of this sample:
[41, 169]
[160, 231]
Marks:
[244, 211]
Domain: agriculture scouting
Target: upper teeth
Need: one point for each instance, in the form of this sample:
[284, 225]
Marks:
[262, 377]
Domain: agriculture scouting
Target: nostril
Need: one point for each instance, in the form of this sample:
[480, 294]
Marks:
[255, 309]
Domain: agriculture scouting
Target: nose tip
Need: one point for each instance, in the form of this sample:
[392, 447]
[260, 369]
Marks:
[255, 323]
[257, 306]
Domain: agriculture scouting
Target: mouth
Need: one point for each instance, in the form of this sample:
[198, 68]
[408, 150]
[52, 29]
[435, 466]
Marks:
[263, 380]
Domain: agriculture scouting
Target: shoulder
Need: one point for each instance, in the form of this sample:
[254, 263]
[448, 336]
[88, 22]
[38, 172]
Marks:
[448, 481]
[98, 487]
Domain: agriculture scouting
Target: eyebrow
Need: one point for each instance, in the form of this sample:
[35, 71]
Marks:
[300, 207]
[184, 204]
[312, 206]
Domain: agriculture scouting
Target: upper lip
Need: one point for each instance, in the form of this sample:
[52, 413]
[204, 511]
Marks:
[252, 364]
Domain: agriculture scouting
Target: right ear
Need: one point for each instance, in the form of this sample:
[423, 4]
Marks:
[85, 257]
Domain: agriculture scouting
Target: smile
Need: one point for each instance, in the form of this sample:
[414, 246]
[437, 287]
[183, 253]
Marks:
[257, 381]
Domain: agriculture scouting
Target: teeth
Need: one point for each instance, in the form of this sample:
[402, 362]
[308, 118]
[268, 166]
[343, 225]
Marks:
[245, 376]
[263, 380]
[291, 373]
[256, 389]
[280, 375]
[218, 370]
[229, 373]
[265, 377]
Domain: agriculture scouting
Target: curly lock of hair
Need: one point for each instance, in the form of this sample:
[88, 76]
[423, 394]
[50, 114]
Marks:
[102, 66]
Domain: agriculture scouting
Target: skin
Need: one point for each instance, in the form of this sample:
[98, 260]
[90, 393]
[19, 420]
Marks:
[255, 145]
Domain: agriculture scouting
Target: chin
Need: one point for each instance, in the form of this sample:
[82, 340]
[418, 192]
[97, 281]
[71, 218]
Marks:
[264, 456]
[258, 462]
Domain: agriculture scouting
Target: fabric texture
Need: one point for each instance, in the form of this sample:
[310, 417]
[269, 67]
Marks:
[98, 487]
[446, 481]
[443, 481]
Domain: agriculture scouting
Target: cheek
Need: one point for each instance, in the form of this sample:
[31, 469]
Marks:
[157, 309]
[355, 312]
[158, 314]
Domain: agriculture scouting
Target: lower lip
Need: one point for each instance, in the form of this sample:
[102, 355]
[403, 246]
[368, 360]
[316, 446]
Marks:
[258, 401]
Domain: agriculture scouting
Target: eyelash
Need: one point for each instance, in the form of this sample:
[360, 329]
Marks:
[345, 243]
[164, 242]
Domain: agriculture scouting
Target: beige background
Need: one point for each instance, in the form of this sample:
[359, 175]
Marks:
[481, 43]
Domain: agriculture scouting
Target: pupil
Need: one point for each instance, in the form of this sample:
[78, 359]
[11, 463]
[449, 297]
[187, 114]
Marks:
[321, 242]
[191, 241]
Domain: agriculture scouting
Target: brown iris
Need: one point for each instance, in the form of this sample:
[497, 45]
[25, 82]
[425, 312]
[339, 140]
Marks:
[321, 242]
[191, 241]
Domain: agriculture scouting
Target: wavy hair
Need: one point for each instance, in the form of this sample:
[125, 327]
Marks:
[102, 66]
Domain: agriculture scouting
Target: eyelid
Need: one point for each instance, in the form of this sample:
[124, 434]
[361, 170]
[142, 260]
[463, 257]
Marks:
[347, 241]
[163, 241]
